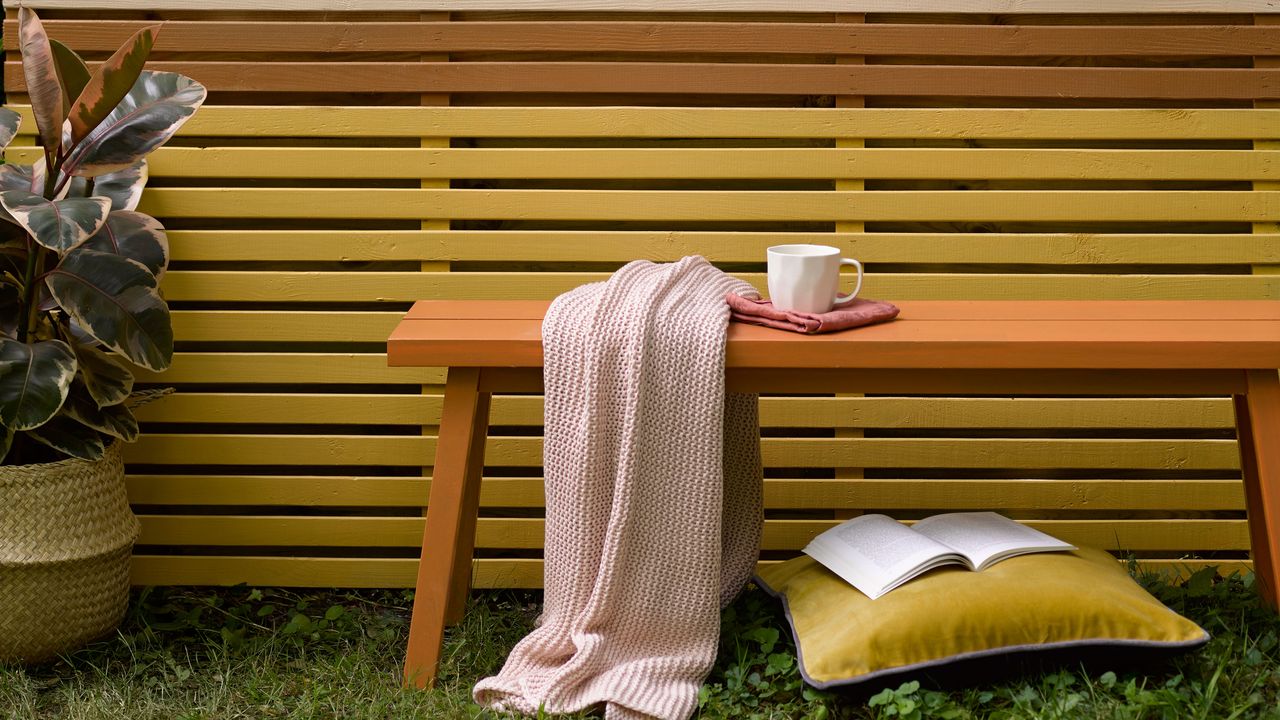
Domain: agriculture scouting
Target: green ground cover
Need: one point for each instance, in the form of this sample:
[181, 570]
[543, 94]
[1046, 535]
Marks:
[192, 653]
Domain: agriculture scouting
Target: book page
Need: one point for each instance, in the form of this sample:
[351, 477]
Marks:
[986, 537]
[875, 552]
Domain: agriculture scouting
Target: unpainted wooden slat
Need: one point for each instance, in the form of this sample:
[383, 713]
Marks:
[703, 163]
[740, 206]
[800, 412]
[389, 450]
[673, 37]
[723, 79]
[676, 122]
[401, 572]
[284, 286]
[903, 494]
[624, 246]
[528, 533]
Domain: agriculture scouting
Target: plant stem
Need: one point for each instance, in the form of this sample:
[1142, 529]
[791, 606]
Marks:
[28, 278]
[35, 258]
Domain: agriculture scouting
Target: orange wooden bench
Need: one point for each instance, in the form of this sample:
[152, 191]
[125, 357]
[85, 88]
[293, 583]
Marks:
[1196, 348]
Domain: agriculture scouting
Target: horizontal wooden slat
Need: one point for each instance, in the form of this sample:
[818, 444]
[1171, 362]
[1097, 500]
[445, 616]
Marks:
[376, 491]
[667, 122]
[720, 163]
[862, 412]
[859, 6]
[696, 37]
[528, 533]
[402, 572]
[283, 286]
[276, 368]
[742, 206]
[723, 79]
[615, 246]
[382, 450]
[274, 327]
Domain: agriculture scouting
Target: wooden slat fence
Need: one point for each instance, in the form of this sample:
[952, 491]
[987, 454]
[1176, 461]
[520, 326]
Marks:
[351, 162]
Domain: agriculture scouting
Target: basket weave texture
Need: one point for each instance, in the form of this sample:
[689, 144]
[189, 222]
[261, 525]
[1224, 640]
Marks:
[66, 536]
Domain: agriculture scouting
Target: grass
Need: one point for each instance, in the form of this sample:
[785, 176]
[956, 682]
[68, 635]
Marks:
[187, 654]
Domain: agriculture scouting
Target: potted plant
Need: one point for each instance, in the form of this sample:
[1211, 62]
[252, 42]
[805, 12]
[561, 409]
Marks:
[79, 276]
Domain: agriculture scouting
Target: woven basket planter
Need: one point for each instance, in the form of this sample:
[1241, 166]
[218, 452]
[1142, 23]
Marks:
[66, 536]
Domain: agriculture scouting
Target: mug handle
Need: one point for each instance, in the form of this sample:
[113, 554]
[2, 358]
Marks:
[846, 298]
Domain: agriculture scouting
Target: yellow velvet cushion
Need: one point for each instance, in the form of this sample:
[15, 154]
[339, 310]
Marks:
[1040, 601]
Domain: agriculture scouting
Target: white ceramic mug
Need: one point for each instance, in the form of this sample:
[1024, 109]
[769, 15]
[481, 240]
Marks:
[806, 278]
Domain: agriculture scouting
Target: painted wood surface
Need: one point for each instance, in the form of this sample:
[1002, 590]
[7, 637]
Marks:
[380, 572]
[825, 6]
[723, 79]
[1032, 157]
[285, 123]
[807, 38]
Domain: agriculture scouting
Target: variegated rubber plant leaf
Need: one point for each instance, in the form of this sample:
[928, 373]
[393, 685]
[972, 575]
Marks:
[9, 123]
[145, 119]
[72, 71]
[70, 437]
[115, 420]
[108, 382]
[135, 236]
[115, 300]
[122, 187]
[56, 224]
[19, 177]
[42, 79]
[109, 84]
[34, 381]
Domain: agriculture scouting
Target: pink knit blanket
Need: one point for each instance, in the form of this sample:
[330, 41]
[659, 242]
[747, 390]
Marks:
[653, 488]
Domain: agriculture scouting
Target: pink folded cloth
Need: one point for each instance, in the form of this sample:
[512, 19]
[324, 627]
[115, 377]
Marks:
[851, 314]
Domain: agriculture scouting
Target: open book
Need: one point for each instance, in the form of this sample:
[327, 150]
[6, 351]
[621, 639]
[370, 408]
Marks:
[876, 553]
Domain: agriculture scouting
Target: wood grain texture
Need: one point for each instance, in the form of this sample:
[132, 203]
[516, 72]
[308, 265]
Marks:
[230, 450]
[740, 206]
[315, 368]
[822, 6]
[318, 491]
[952, 123]
[527, 533]
[385, 287]
[311, 408]
[302, 571]
[726, 163]
[741, 246]
[676, 37]
[983, 337]
[724, 79]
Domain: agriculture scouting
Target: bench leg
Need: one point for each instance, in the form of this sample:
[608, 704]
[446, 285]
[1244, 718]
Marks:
[449, 537]
[464, 548]
[1258, 429]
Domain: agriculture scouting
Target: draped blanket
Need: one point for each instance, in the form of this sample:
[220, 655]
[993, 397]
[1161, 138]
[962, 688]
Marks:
[653, 497]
